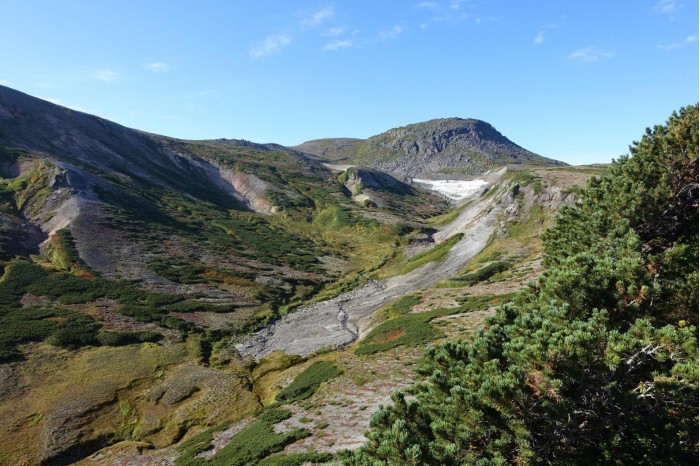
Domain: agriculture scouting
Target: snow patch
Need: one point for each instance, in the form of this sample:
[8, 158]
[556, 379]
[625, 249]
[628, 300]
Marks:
[454, 189]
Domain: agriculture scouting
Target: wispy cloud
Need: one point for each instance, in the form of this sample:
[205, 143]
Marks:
[276, 42]
[271, 44]
[539, 38]
[4, 82]
[337, 44]
[451, 12]
[157, 67]
[334, 31]
[105, 75]
[676, 45]
[589, 55]
[318, 17]
[393, 32]
[668, 6]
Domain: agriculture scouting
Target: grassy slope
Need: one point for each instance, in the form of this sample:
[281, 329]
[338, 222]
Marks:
[324, 223]
[410, 321]
[316, 220]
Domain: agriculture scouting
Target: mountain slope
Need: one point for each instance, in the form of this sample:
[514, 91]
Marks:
[103, 180]
[435, 148]
[113, 239]
[132, 265]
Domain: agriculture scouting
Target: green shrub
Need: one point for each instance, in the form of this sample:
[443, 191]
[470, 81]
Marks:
[127, 338]
[404, 304]
[415, 329]
[405, 330]
[66, 328]
[597, 361]
[63, 252]
[306, 383]
[257, 441]
[399, 307]
[296, 459]
[483, 274]
[438, 251]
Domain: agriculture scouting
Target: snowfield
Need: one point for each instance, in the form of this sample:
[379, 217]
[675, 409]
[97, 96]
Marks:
[454, 189]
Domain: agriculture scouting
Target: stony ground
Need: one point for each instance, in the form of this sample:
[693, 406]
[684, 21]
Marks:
[340, 321]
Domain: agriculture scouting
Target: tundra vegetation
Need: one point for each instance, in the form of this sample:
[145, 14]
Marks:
[596, 362]
[118, 329]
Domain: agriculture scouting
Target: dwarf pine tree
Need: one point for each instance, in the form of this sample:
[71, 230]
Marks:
[597, 361]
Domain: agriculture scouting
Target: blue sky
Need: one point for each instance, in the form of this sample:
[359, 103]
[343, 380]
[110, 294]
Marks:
[577, 81]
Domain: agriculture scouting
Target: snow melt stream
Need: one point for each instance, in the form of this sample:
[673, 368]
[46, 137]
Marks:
[454, 189]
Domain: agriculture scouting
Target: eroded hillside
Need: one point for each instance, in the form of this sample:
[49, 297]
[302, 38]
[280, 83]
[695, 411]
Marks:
[167, 301]
[379, 348]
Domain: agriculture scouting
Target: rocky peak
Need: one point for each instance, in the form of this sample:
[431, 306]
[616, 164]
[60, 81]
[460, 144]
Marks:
[445, 147]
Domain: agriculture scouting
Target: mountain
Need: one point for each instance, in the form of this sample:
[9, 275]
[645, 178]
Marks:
[152, 289]
[110, 184]
[433, 149]
[111, 236]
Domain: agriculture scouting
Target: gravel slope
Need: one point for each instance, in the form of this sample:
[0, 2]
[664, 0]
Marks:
[340, 321]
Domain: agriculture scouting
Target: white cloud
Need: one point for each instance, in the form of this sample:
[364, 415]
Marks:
[687, 41]
[667, 6]
[539, 38]
[589, 55]
[423, 26]
[157, 67]
[105, 75]
[337, 44]
[393, 32]
[426, 5]
[5, 83]
[271, 44]
[456, 4]
[334, 32]
[318, 17]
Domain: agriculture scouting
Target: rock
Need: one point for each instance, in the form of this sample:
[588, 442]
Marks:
[441, 147]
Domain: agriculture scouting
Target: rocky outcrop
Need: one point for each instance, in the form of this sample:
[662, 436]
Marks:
[368, 187]
[252, 189]
[437, 148]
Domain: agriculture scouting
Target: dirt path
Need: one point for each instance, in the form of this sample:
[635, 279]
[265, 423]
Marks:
[340, 321]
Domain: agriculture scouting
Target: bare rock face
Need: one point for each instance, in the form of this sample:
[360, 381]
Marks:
[366, 186]
[253, 190]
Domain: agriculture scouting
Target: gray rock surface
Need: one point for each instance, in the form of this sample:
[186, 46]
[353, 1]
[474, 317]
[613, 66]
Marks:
[340, 321]
[436, 148]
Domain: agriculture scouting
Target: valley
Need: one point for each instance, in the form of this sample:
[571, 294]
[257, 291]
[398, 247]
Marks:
[222, 302]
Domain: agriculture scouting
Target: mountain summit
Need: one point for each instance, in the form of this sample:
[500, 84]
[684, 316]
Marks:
[436, 148]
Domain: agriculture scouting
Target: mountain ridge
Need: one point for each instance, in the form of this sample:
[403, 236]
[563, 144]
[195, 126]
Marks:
[436, 148]
[132, 265]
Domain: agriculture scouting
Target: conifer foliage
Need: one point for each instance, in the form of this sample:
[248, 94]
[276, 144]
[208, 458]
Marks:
[597, 361]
